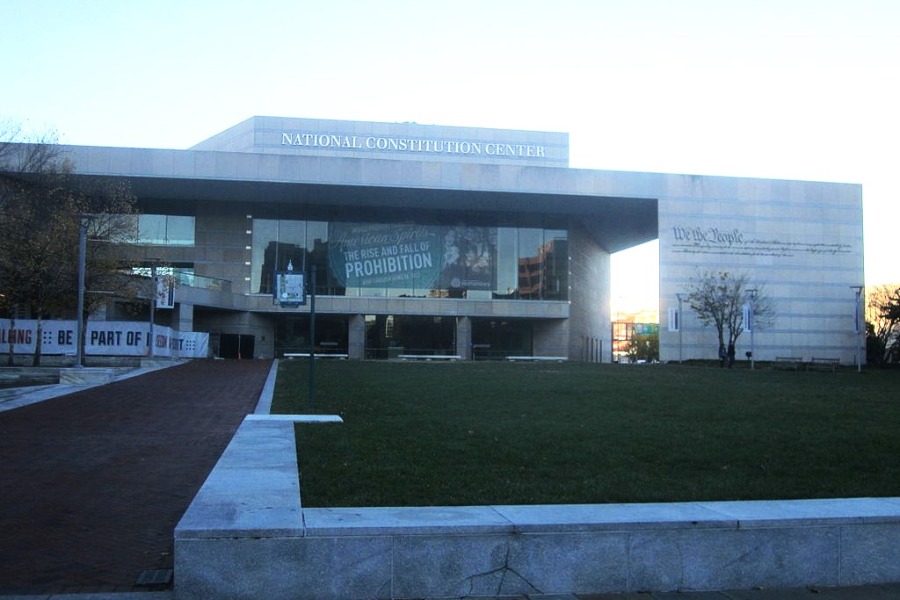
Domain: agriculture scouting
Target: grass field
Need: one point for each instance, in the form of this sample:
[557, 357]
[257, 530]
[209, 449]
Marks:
[531, 433]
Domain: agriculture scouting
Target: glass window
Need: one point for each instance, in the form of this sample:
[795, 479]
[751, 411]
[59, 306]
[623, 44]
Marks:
[531, 266]
[265, 240]
[152, 229]
[165, 230]
[279, 243]
[276, 245]
[179, 230]
[507, 263]
[316, 253]
[556, 265]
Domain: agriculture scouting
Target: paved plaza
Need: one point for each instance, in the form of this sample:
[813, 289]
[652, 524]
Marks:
[93, 483]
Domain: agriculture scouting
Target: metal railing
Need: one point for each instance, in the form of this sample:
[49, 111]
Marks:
[203, 282]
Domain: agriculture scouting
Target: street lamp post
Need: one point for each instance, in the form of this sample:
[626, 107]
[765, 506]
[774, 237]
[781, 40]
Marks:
[680, 329]
[311, 399]
[82, 258]
[857, 326]
[153, 292]
[752, 326]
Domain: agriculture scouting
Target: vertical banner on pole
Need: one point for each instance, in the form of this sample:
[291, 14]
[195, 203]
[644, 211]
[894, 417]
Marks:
[165, 291]
[290, 287]
[674, 320]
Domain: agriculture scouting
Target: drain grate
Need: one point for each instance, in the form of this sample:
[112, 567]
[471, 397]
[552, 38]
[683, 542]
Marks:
[154, 577]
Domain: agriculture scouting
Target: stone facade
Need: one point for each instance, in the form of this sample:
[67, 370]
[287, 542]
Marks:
[800, 241]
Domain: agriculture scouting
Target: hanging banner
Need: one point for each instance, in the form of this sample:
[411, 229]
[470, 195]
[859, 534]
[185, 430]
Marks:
[165, 291]
[469, 254]
[102, 338]
[290, 288]
[365, 255]
[421, 257]
[674, 320]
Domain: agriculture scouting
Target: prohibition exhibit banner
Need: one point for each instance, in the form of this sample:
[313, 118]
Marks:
[367, 255]
[384, 255]
[107, 338]
[469, 258]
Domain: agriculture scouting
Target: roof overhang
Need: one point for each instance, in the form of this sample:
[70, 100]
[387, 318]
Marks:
[616, 222]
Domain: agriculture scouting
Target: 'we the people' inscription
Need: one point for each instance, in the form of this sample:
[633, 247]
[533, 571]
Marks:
[715, 240]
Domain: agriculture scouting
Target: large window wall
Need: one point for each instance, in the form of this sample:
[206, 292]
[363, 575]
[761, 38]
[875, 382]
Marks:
[280, 243]
[415, 259]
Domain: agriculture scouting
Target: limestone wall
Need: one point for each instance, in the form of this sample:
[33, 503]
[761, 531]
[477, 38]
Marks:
[246, 535]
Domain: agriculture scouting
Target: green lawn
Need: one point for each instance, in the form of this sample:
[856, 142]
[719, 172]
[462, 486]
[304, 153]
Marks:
[534, 433]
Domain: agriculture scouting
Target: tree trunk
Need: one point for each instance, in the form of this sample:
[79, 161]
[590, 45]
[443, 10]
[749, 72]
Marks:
[12, 324]
[36, 362]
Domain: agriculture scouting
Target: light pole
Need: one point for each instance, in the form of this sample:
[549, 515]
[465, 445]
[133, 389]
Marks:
[82, 258]
[857, 326]
[153, 292]
[752, 326]
[310, 401]
[680, 329]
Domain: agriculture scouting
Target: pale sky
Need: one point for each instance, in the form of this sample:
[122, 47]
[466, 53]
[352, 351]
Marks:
[792, 89]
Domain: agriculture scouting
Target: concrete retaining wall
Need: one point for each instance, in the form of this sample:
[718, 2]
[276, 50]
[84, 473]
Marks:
[247, 536]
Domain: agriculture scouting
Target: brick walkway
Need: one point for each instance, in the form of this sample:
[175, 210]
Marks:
[92, 484]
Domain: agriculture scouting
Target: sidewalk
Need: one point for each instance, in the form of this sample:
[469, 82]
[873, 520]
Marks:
[93, 483]
[882, 592]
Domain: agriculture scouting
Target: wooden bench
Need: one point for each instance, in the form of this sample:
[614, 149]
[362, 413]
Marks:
[824, 364]
[429, 357]
[788, 362]
[556, 358]
[306, 355]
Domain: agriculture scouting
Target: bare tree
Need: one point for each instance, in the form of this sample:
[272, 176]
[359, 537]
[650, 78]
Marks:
[31, 268]
[720, 298]
[883, 323]
[41, 213]
[21, 154]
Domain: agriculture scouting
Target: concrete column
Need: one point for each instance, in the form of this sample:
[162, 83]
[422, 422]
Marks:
[464, 337]
[551, 338]
[183, 319]
[356, 342]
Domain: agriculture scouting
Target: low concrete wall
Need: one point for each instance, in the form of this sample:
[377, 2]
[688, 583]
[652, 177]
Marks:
[27, 376]
[91, 375]
[247, 536]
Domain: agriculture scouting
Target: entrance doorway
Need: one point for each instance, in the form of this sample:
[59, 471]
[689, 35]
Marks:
[389, 336]
[233, 345]
[498, 338]
[292, 334]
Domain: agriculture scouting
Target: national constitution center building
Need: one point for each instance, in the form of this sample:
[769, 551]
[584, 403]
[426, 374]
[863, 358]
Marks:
[478, 243]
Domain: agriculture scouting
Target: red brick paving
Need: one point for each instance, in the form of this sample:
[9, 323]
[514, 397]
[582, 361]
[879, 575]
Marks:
[92, 484]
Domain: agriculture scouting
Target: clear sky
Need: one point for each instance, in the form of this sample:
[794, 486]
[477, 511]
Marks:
[793, 89]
